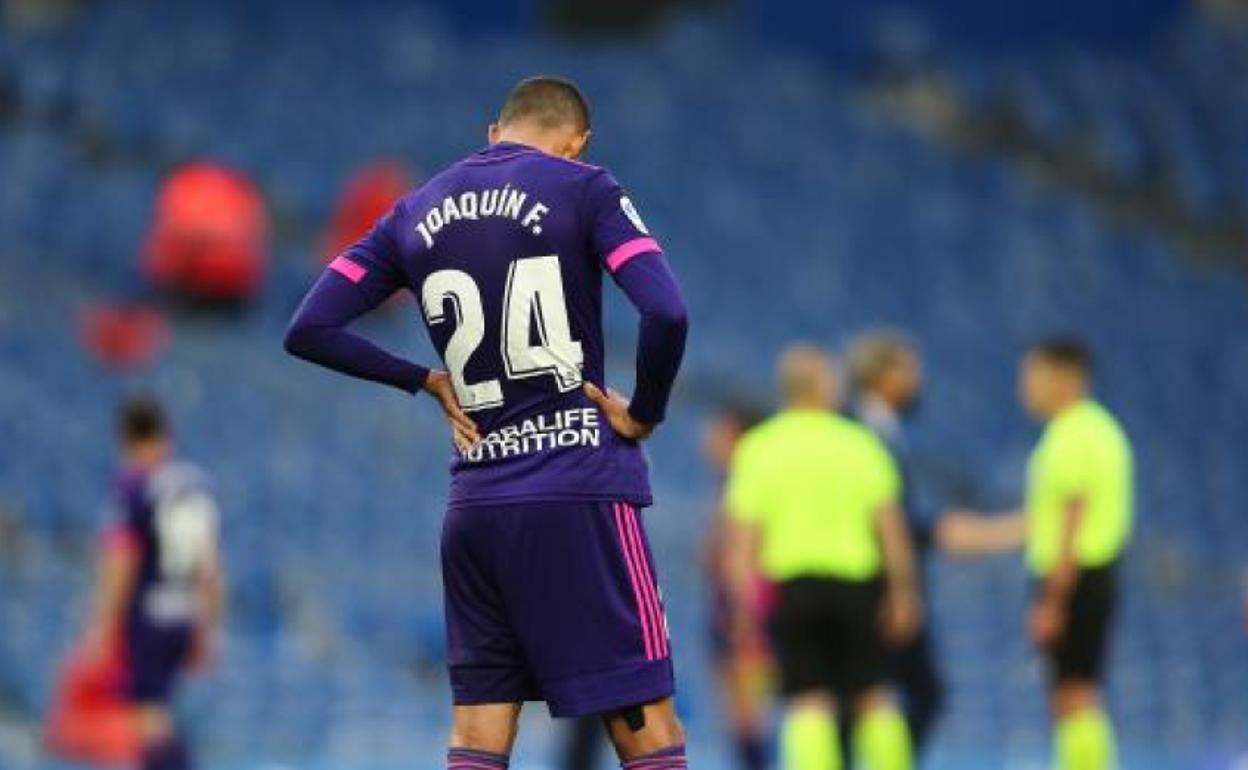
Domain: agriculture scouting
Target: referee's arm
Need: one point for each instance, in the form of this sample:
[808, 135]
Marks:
[902, 608]
[1047, 619]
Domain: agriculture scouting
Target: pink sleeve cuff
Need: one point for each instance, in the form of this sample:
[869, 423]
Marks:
[621, 254]
[344, 266]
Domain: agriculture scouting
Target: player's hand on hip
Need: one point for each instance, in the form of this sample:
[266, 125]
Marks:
[463, 429]
[615, 407]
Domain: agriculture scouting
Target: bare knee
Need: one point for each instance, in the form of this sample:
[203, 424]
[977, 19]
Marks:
[657, 729]
[812, 700]
[872, 699]
[155, 724]
[488, 727]
[1074, 695]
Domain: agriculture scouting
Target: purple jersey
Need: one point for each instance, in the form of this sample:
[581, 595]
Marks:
[505, 252]
[168, 518]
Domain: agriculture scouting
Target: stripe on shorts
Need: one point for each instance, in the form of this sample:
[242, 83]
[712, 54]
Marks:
[650, 588]
[634, 575]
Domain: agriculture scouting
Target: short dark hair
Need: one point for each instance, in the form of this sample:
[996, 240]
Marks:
[549, 100]
[1069, 352]
[875, 352]
[141, 418]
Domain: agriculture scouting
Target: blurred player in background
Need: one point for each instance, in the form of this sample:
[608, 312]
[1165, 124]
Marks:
[814, 497]
[744, 671]
[1077, 522]
[160, 591]
[549, 582]
[887, 375]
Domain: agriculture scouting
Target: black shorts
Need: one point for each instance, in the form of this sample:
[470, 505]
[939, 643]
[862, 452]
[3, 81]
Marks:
[1080, 653]
[827, 636]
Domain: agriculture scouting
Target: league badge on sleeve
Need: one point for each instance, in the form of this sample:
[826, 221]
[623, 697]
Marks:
[630, 211]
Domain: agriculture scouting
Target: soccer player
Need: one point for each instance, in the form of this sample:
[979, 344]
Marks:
[743, 670]
[160, 592]
[815, 496]
[1078, 519]
[549, 583]
[887, 375]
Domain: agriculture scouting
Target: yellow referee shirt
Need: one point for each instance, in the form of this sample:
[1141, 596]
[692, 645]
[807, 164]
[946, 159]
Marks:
[812, 481]
[1083, 454]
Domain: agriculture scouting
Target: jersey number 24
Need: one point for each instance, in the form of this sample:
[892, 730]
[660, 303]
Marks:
[534, 303]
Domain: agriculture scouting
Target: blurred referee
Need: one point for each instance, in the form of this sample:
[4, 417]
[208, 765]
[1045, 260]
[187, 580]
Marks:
[1078, 520]
[887, 376]
[813, 498]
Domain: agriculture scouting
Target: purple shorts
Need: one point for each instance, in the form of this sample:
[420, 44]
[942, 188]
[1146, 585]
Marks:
[556, 602]
[155, 657]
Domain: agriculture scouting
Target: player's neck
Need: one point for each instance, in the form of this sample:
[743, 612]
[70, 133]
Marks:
[529, 136]
[877, 403]
[807, 405]
[148, 456]
[1067, 401]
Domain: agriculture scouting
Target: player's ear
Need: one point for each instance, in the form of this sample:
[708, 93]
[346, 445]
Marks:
[577, 145]
[493, 132]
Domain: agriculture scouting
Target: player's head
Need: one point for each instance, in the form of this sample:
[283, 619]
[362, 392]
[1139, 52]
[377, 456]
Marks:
[808, 378]
[143, 430]
[1055, 373]
[885, 364]
[546, 112]
[722, 430]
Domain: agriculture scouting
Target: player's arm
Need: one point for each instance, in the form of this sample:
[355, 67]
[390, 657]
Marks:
[636, 262]
[318, 333]
[1048, 615]
[743, 539]
[649, 284]
[902, 608]
[115, 579]
[745, 500]
[967, 533]
[211, 590]
[354, 284]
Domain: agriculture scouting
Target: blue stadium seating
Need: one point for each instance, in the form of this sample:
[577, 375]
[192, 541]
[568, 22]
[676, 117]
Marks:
[787, 208]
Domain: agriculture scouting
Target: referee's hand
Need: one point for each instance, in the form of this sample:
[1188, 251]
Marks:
[901, 615]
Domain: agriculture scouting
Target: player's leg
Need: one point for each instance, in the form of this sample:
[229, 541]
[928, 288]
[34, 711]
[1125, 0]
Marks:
[162, 747]
[583, 596]
[648, 735]
[1084, 737]
[482, 736]
[806, 649]
[155, 656]
[881, 738]
[743, 675]
[920, 685]
[489, 675]
[809, 737]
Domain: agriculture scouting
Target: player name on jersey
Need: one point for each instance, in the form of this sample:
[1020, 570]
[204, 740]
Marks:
[507, 202]
[566, 428]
